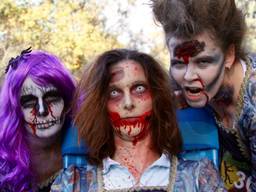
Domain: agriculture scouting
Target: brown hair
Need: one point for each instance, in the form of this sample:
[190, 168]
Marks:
[188, 18]
[92, 94]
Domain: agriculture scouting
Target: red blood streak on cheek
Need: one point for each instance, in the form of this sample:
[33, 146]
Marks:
[49, 106]
[204, 92]
[201, 82]
[33, 125]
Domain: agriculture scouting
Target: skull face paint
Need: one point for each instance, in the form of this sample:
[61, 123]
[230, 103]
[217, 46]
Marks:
[198, 67]
[42, 108]
[130, 103]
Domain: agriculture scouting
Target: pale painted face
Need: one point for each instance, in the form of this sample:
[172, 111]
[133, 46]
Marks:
[42, 108]
[129, 104]
[198, 67]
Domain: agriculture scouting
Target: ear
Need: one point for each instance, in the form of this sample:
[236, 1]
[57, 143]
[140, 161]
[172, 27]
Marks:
[230, 56]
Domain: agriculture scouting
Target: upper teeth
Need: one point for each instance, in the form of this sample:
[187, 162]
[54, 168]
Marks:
[47, 124]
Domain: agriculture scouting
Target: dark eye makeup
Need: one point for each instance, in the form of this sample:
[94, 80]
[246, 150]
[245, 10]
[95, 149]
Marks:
[176, 62]
[52, 96]
[30, 100]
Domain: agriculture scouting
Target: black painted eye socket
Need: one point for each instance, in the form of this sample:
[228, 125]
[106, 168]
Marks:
[30, 104]
[28, 101]
[175, 62]
[52, 96]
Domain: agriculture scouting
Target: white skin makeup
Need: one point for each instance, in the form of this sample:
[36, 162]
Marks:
[129, 100]
[42, 108]
[199, 75]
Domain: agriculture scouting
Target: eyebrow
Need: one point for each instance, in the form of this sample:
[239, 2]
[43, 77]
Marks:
[139, 82]
[213, 58]
[115, 85]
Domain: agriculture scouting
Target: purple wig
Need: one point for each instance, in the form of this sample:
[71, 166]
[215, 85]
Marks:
[44, 69]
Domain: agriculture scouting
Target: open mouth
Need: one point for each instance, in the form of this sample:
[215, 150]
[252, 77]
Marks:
[193, 93]
[193, 90]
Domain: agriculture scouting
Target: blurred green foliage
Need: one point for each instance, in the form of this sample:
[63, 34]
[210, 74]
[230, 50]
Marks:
[67, 28]
[77, 30]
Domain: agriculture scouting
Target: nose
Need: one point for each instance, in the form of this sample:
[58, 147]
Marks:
[41, 108]
[190, 73]
[128, 102]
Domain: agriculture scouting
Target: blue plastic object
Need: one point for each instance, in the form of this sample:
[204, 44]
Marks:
[73, 150]
[200, 134]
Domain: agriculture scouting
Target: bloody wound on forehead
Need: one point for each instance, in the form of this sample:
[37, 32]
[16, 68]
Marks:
[188, 49]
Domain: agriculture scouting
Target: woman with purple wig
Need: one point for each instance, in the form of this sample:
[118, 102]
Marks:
[34, 102]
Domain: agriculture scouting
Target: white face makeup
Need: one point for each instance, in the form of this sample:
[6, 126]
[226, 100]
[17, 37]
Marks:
[42, 108]
[130, 103]
[198, 67]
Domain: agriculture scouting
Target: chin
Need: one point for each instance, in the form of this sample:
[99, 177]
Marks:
[48, 133]
[197, 104]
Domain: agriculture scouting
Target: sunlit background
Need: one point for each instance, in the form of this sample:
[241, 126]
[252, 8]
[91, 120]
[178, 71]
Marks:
[78, 30]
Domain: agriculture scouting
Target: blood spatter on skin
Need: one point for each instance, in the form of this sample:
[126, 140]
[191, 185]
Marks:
[50, 110]
[131, 123]
[188, 49]
[33, 125]
[129, 162]
[145, 96]
[133, 170]
[204, 92]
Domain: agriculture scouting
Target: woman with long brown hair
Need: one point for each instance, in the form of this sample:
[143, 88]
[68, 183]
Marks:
[126, 115]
